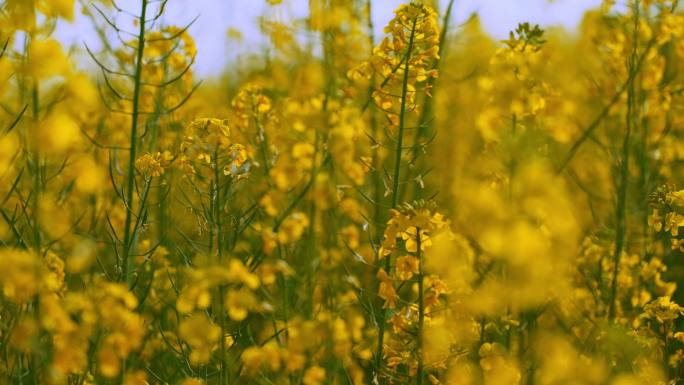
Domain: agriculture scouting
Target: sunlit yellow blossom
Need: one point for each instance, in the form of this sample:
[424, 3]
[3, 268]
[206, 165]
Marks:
[314, 376]
[201, 335]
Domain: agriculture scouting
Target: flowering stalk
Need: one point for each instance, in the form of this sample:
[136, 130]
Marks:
[395, 180]
[409, 52]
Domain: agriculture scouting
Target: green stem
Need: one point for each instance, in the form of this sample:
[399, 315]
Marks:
[424, 120]
[621, 221]
[402, 117]
[261, 137]
[133, 141]
[377, 176]
[37, 178]
[421, 310]
[216, 197]
[217, 205]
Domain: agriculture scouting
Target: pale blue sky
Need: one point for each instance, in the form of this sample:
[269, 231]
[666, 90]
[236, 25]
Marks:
[216, 16]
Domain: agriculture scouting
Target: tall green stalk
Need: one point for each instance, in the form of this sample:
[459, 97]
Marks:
[424, 122]
[217, 206]
[137, 85]
[421, 309]
[377, 176]
[621, 220]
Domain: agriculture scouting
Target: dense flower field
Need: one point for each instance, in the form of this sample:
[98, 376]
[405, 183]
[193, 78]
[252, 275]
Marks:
[429, 206]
